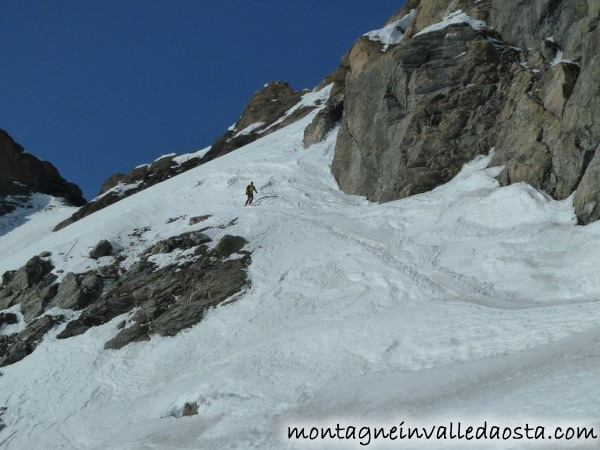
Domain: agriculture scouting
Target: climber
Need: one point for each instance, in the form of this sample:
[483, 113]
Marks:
[250, 190]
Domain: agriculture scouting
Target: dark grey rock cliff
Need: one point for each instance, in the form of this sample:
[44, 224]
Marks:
[526, 85]
[22, 174]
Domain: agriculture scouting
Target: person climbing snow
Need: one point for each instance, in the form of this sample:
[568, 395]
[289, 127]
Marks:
[250, 190]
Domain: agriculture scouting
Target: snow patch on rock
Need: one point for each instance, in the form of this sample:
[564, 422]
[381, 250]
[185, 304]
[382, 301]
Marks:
[454, 18]
[393, 33]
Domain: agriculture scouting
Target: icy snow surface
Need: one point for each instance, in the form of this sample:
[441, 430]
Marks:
[393, 33]
[470, 301]
[453, 18]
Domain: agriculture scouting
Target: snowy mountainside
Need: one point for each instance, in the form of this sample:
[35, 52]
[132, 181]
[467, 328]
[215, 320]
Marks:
[41, 209]
[471, 300]
[273, 106]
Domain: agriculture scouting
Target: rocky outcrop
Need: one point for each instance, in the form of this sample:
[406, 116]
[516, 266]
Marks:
[102, 248]
[22, 174]
[498, 74]
[228, 245]
[169, 289]
[264, 114]
[17, 346]
[8, 318]
[32, 287]
[190, 409]
[166, 299]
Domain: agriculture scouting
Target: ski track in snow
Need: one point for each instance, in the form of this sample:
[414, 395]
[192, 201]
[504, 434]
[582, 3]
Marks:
[468, 301]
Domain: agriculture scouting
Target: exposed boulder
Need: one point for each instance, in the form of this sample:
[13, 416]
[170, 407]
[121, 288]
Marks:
[32, 286]
[190, 409]
[32, 273]
[182, 241]
[102, 248]
[198, 219]
[7, 318]
[229, 245]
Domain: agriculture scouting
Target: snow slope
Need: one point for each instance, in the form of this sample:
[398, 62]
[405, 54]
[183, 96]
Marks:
[471, 301]
[28, 223]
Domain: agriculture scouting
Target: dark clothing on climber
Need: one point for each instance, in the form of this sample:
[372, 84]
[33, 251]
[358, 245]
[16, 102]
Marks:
[250, 190]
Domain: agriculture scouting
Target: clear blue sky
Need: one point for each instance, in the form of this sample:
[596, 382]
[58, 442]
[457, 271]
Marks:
[98, 87]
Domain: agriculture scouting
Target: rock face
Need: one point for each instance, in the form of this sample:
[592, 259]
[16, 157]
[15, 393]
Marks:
[420, 122]
[22, 174]
[78, 291]
[32, 287]
[326, 119]
[518, 78]
[362, 53]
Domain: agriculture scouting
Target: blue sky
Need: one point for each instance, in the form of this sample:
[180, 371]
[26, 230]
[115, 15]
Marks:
[100, 87]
